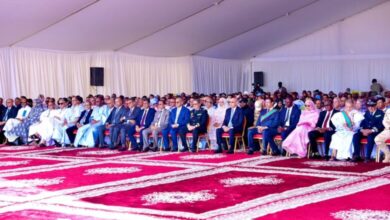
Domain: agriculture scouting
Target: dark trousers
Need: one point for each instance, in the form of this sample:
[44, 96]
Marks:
[285, 133]
[181, 131]
[268, 138]
[114, 134]
[231, 137]
[313, 135]
[2, 137]
[251, 142]
[195, 136]
[131, 131]
[165, 133]
[357, 137]
[125, 130]
[100, 130]
[70, 131]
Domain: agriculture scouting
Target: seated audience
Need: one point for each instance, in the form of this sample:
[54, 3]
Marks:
[85, 118]
[232, 124]
[324, 128]
[160, 122]
[143, 121]
[347, 122]
[370, 127]
[297, 140]
[266, 124]
[9, 112]
[178, 120]
[19, 133]
[197, 124]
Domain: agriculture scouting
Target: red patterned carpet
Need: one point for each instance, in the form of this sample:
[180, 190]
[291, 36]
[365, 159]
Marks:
[58, 183]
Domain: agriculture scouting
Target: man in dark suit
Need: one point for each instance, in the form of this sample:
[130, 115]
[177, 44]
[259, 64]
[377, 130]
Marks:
[114, 122]
[232, 124]
[197, 124]
[102, 128]
[2, 107]
[370, 127]
[288, 118]
[10, 111]
[249, 114]
[144, 120]
[178, 120]
[129, 120]
[324, 128]
[83, 120]
[267, 124]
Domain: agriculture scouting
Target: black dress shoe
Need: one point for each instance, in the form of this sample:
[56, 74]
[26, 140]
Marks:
[134, 149]
[276, 154]
[218, 151]
[250, 152]
[174, 150]
[154, 149]
[184, 150]
[166, 149]
[145, 149]
[230, 152]
[264, 153]
[193, 150]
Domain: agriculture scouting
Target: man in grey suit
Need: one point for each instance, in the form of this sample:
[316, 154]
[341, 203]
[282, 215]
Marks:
[160, 122]
[129, 120]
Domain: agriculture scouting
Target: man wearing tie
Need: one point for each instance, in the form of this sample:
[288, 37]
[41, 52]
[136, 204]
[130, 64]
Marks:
[232, 124]
[178, 119]
[113, 122]
[159, 123]
[324, 128]
[143, 121]
[10, 111]
[129, 120]
[370, 127]
[288, 118]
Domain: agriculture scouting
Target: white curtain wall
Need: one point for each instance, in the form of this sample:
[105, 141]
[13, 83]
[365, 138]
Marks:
[55, 73]
[217, 75]
[325, 73]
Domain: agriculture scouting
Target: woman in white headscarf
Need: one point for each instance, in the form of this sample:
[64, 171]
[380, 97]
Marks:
[216, 121]
[258, 107]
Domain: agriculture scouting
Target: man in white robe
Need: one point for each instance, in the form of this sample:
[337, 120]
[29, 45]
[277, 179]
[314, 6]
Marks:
[59, 120]
[71, 118]
[45, 127]
[86, 135]
[347, 123]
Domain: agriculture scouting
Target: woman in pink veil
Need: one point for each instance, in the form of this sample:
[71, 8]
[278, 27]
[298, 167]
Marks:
[296, 142]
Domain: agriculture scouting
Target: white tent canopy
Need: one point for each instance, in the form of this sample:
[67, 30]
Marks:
[160, 46]
[233, 29]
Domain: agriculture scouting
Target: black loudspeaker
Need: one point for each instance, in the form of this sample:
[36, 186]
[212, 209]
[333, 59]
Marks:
[97, 76]
[258, 78]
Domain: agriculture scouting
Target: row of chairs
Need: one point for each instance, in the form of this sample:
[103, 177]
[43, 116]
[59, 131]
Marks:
[321, 140]
[239, 141]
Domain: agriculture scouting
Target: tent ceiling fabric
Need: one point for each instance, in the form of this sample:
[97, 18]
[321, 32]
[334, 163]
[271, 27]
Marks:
[232, 29]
